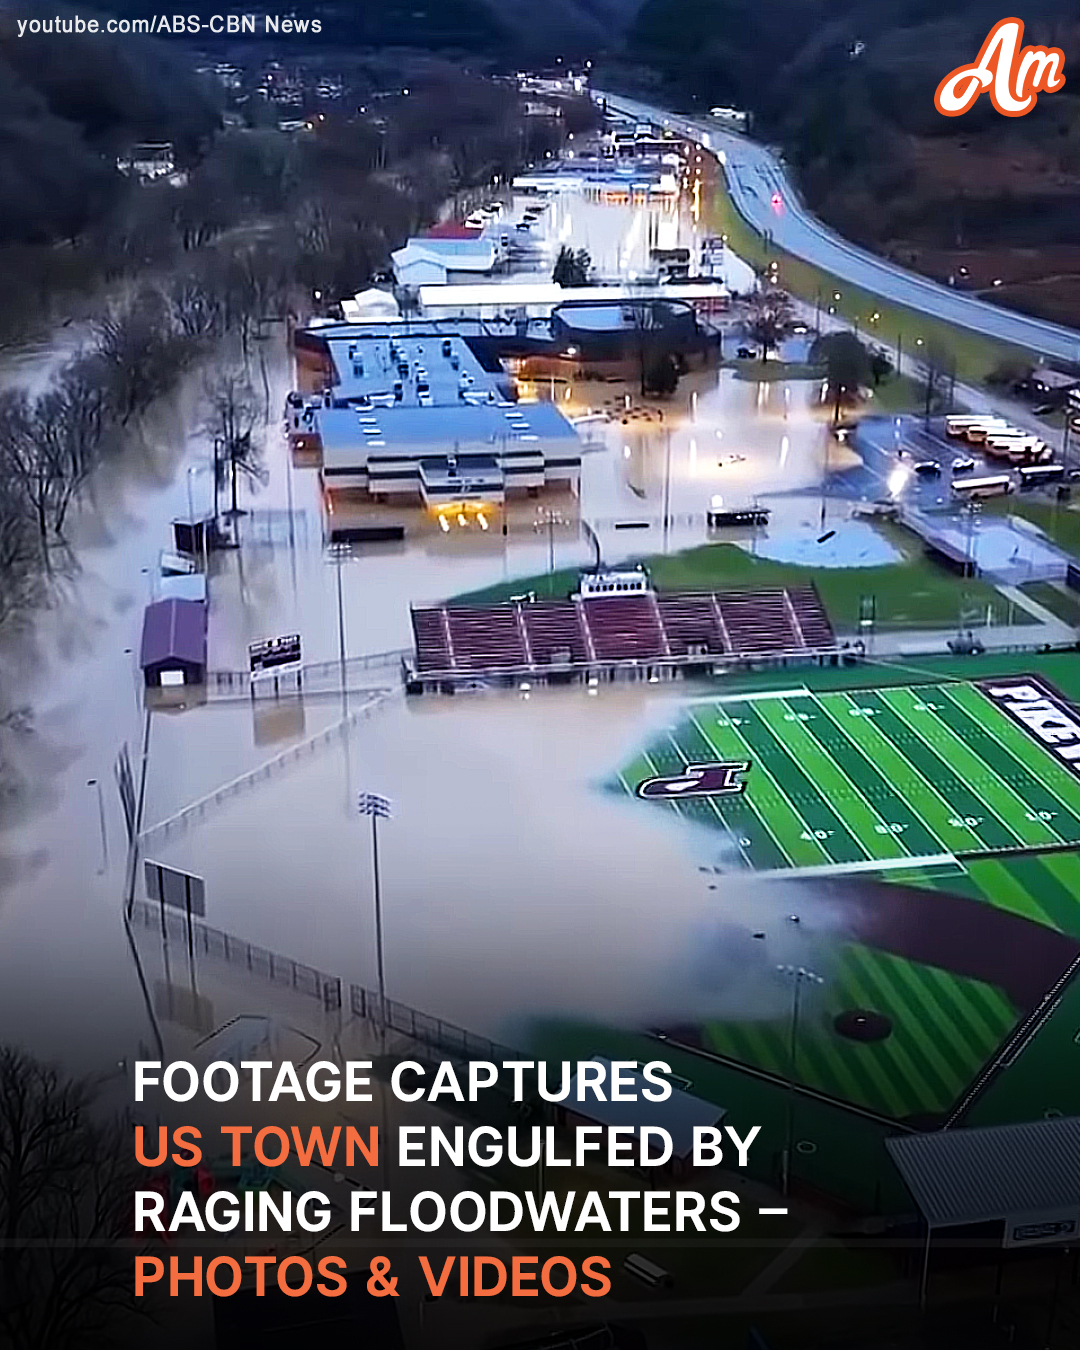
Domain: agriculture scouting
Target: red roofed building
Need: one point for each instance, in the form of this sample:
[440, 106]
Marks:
[451, 229]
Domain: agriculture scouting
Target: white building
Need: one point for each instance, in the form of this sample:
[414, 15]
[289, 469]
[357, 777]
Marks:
[412, 414]
[436, 262]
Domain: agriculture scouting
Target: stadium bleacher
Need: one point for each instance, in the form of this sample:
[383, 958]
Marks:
[672, 628]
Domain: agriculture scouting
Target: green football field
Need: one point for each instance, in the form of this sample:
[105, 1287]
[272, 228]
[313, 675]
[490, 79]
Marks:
[930, 787]
[895, 778]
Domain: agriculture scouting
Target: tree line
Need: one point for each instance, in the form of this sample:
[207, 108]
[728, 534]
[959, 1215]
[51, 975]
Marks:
[264, 223]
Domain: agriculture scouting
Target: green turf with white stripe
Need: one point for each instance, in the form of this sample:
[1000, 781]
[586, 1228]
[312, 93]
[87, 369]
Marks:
[839, 780]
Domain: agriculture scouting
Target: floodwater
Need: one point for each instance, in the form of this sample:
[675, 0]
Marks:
[513, 883]
[855, 544]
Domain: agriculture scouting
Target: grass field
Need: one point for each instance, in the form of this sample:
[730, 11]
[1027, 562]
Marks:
[898, 777]
[933, 789]
[913, 593]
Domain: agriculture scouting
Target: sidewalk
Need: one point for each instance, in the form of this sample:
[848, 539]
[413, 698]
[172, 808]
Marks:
[1005, 637]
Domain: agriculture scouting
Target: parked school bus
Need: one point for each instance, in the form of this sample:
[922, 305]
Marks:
[996, 485]
[1031, 475]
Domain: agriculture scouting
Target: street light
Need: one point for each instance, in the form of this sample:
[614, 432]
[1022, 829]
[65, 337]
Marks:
[378, 808]
[338, 552]
[799, 975]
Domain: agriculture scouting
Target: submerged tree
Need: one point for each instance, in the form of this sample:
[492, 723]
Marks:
[572, 267]
[847, 366]
[231, 419]
[769, 321]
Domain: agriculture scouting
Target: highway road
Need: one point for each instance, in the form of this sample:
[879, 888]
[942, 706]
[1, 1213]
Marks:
[764, 195]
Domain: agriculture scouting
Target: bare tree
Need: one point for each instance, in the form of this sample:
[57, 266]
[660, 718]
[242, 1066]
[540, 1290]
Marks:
[196, 307]
[939, 377]
[139, 353]
[65, 1204]
[20, 554]
[24, 467]
[232, 415]
[69, 425]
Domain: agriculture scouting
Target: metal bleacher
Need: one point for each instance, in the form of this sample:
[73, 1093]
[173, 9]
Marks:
[668, 629]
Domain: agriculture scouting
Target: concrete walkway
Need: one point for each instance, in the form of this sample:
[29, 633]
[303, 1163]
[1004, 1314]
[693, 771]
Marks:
[1004, 637]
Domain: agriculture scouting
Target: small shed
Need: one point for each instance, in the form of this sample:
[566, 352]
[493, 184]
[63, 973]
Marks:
[173, 650]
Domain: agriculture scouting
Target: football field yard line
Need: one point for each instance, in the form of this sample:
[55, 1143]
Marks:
[883, 746]
[811, 804]
[749, 844]
[807, 834]
[725, 825]
[757, 767]
[849, 733]
[999, 789]
[1029, 759]
[656, 771]
[1021, 746]
[993, 801]
[757, 698]
[826, 786]
[860, 769]
[1009, 842]
[813, 752]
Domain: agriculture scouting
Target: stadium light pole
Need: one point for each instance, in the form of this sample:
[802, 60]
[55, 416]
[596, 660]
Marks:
[799, 975]
[378, 808]
[338, 552]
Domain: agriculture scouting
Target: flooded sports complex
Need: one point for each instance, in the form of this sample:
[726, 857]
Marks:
[385, 736]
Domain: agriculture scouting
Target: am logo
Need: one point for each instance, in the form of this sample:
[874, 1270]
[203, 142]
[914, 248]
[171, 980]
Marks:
[698, 780]
[1013, 75]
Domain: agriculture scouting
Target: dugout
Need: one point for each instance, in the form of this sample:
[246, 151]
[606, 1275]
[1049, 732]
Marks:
[1013, 1187]
[947, 554]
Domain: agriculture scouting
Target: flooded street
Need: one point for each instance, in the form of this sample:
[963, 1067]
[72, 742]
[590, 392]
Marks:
[514, 884]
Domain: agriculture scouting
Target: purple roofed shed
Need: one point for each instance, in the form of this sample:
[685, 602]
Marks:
[173, 648]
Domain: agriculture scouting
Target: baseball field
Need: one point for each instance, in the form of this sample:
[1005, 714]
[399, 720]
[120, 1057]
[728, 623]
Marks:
[941, 821]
